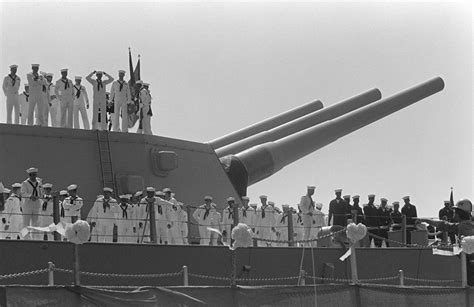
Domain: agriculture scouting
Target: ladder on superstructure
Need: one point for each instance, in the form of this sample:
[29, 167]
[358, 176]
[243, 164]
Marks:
[105, 156]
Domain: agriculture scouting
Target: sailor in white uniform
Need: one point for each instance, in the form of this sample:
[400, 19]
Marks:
[206, 215]
[266, 222]
[81, 103]
[62, 196]
[144, 125]
[99, 101]
[102, 217]
[120, 95]
[11, 85]
[12, 220]
[37, 84]
[125, 220]
[72, 205]
[307, 209]
[139, 214]
[228, 220]
[46, 214]
[65, 94]
[31, 194]
[23, 102]
[183, 223]
[54, 103]
[46, 99]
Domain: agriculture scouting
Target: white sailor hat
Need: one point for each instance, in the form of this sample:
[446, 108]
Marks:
[271, 203]
[139, 193]
[47, 186]
[396, 203]
[13, 66]
[383, 199]
[139, 82]
[311, 187]
[406, 197]
[63, 192]
[5, 190]
[49, 74]
[26, 85]
[16, 185]
[253, 205]
[64, 70]
[263, 196]
[99, 72]
[72, 187]
[207, 197]
[338, 190]
[77, 78]
[150, 189]
[125, 196]
[146, 84]
[355, 197]
[107, 189]
[447, 202]
[245, 198]
[35, 65]
[319, 206]
[346, 196]
[371, 196]
[121, 71]
[166, 190]
[230, 199]
[159, 193]
[285, 207]
[32, 170]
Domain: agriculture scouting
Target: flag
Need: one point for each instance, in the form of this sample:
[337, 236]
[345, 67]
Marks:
[451, 198]
[134, 76]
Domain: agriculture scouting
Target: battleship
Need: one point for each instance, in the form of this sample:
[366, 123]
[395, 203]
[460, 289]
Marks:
[223, 167]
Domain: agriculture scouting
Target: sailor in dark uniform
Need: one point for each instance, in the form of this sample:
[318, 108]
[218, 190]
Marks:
[338, 209]
[384, 213]
[356, 209]
[372, 219]
[447, 214]
[409, 211]
[395, 214]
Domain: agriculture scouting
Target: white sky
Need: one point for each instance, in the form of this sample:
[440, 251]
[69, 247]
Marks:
[217, 67]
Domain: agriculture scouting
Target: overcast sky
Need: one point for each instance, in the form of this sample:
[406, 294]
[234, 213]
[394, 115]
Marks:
[217, 67]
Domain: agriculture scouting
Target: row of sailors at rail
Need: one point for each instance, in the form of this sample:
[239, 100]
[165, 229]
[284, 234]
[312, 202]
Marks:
[64, 100]
[31, 204]
[267, 221]
[132, 219]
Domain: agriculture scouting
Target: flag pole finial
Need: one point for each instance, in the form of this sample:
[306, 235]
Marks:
[138, 56]
[128, 48]
[451, 188]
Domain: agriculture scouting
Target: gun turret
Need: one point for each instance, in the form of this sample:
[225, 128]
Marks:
[302, 123]
[259, 162]
[267, 124]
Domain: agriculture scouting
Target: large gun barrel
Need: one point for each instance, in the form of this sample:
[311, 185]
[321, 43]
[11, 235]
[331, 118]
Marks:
[259, 162]
[302, 123]
[269, 123]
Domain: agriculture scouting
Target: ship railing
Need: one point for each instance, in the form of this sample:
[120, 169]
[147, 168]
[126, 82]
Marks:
[137, 230]
[301, 279]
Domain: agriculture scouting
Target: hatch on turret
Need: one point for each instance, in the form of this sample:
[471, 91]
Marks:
[163, 161]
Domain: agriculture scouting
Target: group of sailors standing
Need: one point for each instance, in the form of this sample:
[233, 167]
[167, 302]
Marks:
[62, 101]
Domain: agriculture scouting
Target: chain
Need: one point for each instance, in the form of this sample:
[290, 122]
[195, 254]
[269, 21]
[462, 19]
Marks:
[209, 277]
[268, 279]
[431, 280]
[123, 275]
[22, 274]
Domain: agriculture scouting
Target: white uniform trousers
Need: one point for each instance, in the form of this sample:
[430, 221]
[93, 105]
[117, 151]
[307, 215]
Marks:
[104, 231]
[36, 105]
[120, 107]
[175, 235]
[31, 210]
[13, 104]
[55, 113]
[96, 104]
[80, 106]
[66, 107]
